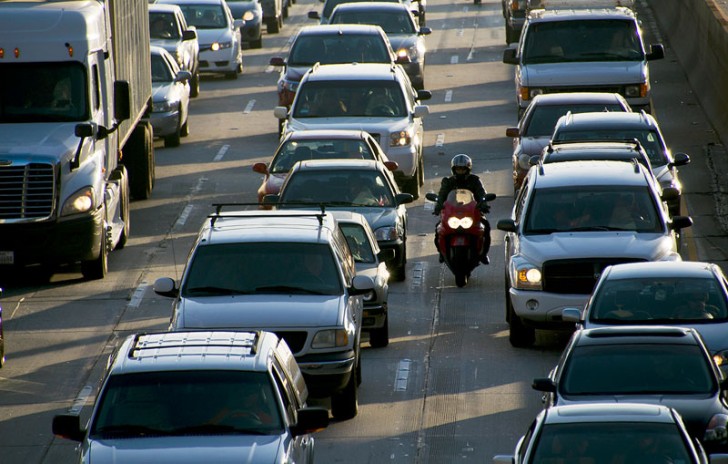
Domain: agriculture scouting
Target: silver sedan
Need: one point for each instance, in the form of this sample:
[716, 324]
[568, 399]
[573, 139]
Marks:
[170, 98]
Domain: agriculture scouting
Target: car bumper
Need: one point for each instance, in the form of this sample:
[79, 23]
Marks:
[326, 374]
[543, 309]
[218, 61]
[164, 123]
[52, 243]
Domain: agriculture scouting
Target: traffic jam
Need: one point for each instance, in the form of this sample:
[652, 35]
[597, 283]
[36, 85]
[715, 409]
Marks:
[285, 295]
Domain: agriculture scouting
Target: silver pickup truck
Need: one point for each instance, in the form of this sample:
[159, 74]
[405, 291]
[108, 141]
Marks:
[583, 50]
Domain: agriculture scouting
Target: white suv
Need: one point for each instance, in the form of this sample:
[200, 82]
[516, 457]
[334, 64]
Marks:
[570, 221]
[190, 397]
[377, 98]
[287, 272]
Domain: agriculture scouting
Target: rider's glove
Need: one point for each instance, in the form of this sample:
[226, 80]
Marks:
[484, 208]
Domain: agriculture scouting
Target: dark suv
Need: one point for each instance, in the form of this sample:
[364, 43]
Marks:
[571, 220]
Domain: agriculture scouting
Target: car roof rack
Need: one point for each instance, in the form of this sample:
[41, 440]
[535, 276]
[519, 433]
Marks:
[218, 214]
[152, 344]
[580, 4]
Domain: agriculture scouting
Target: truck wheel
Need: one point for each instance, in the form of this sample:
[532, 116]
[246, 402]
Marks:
[345, 404]
[97, 268]
[121, 174]
[195, 85]
[379, 338]
[519, 335]
[138, 157]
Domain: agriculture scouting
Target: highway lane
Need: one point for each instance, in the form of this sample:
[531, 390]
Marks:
[448, 387]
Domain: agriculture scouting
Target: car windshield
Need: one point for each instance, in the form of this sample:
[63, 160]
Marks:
[543, 118]
[338, 48]
[582, 41]
[162, 26]
[359, 243]
[262, 268]
[205, 16]
[300, 150]
[623, 442]
[339, 187]
[179, 403]
[161, 72]
[326, 99]
[43, 92]
[399, 22]
[653, 300]
[633, 368]
[649, 139]
[584, 208]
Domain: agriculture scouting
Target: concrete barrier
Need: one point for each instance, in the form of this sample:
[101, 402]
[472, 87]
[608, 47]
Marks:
[697, 32]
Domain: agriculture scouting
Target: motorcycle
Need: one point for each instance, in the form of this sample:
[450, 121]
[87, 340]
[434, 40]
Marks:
[461, 232]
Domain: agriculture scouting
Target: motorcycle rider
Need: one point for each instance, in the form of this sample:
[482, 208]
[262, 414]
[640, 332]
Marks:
[462, 178]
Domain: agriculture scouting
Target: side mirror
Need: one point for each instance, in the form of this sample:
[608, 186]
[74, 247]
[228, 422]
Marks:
[424, 31]
[657, 52]
[310, 420]
[122, 100]
[421, 111]
[260, 168]
[403, 198]
[512, 132]
[509, 56]
[432, 196]
[670, 193]
[391, 165]
[680, 159]
[238, 23]
[490, 197]
[423, 95]
[681, 222]
[189, 34]
[277, 61]
[68, 426]
[183, 76]
[361, 284]
[544, 384]
[506, 225]
[314, 15]
[571, 315]
[280, 112]
[166, 286]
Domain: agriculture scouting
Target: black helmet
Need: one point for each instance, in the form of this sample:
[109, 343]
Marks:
[461, 161]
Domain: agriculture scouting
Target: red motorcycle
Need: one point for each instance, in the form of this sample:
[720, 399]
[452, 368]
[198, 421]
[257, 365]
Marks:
[461, 232]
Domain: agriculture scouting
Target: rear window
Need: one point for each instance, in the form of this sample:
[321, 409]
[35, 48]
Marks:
[335, 49]
[649, 139]
[301, 150]
[544, 117]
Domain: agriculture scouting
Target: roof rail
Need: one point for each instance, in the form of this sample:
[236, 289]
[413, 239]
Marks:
[577, 4]
[233, 214]
[145, 341]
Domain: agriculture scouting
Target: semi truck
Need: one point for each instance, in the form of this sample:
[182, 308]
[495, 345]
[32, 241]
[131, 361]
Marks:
[76, 143]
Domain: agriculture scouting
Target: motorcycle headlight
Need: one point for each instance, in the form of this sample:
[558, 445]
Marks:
[220, 45]
[400, 139]
[330, 338]
[384, 234]
[465, 223]
[80, 202]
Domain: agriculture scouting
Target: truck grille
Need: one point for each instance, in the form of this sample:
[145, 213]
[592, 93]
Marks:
[295, 340]
[26, 192]
[595, 88]
[577, 276]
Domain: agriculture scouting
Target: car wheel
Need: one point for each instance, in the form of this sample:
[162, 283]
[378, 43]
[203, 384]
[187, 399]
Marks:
[412, 185]
[398, 273]
[195, 85]
[519, 335]
[274, 25]
[257, 43]
[511, 35]
[421, 169]
[345, 404]
[285, 12]
[379, 338]
[173, 140]
[97, 268]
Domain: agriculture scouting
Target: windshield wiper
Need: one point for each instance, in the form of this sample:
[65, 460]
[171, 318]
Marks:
[130, 430]
[287, 289]
[216, 429]
[212, 290]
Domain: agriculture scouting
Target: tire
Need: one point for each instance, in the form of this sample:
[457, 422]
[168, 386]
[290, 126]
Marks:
[125, 214]
[412, 185]
[138, 157]
[231, 75]
[512, 35]
[379, 338]
[284, 14]
[257, 43]
[345, 404]
[97, 268]
[421, 169]
[195, 85]
[398, 274]
[461, 279]
[173, 140]
[519, 335]
[273, 25]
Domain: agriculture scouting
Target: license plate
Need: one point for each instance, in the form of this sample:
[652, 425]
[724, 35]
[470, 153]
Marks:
[7, 257]
[459, 241]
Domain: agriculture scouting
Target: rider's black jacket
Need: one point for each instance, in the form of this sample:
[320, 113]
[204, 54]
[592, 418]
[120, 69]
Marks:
[470, 182]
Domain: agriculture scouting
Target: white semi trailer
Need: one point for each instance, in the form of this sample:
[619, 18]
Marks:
[75, 140]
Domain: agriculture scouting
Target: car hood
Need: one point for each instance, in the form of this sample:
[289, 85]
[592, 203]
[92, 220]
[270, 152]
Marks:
[160, 92]
[209, 36]
[583, 74]
[188, 449]
[260, 311]
[171, 45]
[583, 245]
[534, 145]
[295, 73]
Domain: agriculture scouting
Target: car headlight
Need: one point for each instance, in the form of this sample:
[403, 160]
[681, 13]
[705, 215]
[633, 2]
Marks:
[80, 202]
[384, 234]
[220, 45]
[289, 85]
[721, 358]
[330, 338]
[636, 91]
[369, 296]
[410, 52]
[527, 276]
[400, 139]
[454, 222]
[717, 428]
[527, 93]
[165, 106]
[524, 161]
[248, 16]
